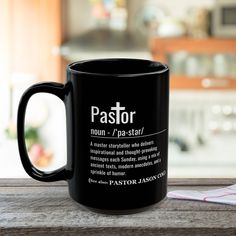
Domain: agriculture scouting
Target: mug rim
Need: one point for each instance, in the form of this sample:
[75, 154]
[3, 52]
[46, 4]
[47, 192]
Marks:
[164, 68]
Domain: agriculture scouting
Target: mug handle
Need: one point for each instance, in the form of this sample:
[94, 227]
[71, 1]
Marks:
[53, 88]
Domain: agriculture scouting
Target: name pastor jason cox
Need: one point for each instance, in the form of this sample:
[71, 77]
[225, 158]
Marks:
[137, 181]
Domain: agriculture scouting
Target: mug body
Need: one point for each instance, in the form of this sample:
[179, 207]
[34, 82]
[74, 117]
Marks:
[117, 133]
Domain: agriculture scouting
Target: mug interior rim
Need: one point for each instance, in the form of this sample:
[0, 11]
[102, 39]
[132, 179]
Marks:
[160, 67]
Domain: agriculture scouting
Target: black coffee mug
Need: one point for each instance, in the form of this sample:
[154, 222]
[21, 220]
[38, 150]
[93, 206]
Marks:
[117, 133]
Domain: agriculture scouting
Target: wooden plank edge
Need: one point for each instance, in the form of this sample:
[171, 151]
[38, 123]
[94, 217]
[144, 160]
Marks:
[28, 182]
[113, 231]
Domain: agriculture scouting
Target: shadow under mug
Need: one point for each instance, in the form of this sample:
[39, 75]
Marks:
[117, 133]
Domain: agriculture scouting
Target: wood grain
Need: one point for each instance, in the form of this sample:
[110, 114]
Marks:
[29, 207]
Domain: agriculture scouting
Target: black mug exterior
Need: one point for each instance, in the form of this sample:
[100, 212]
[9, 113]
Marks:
[117, 132]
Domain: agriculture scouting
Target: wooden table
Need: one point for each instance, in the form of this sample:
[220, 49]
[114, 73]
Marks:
[28, 207]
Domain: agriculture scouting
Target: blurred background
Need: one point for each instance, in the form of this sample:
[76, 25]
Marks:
[197, 39]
